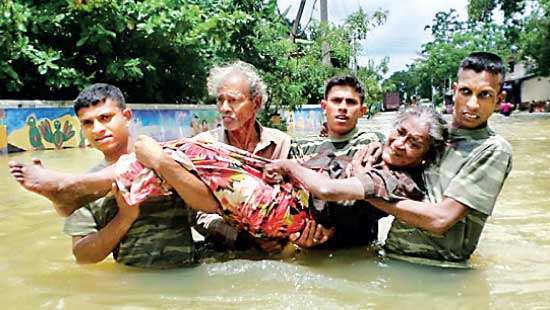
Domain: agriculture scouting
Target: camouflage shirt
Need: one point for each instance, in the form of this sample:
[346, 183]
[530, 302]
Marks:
[471, 171]
[159, 238]
[346, 145]
[356, 224]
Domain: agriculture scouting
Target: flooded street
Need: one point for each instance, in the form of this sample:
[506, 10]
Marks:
[511, 264]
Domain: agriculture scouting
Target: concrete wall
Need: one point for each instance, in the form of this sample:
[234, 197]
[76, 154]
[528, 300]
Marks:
[535, 89]
[3, 133]
[36, 125]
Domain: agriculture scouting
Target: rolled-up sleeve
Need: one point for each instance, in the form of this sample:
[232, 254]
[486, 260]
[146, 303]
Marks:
[80, 223]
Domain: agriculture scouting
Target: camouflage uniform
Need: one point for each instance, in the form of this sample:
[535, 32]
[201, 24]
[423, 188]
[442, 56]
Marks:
[159, 238]
[357, 223]
[346, 145]
[471, 171]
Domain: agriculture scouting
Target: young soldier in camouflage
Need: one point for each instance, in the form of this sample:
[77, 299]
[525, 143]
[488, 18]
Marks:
[356, 224]
[154, 235]
[464, 183]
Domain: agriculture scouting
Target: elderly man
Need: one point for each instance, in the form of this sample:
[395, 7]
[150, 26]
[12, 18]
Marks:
[240, 93]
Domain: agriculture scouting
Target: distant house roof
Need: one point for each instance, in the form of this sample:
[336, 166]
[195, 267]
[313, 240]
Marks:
[521, 72]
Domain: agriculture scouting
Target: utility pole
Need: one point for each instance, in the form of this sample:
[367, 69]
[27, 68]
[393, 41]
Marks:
[325, 47]
[297, 20]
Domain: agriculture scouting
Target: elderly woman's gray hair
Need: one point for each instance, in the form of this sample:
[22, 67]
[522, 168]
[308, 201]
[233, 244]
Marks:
[255, 83]
[437, 126]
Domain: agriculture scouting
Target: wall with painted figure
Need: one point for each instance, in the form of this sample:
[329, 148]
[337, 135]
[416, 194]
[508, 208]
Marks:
[3, 133]
[39, 128]
[304, 122]
[169, 124]
[43, 128]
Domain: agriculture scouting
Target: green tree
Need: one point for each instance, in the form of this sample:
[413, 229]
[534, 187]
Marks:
[161, 50]
[527, 33]
[453, 40]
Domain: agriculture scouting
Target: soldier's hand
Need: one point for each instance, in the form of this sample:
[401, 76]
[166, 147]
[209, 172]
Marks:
[274, 172]
[313, 235]
[148, 152]
[126, 211]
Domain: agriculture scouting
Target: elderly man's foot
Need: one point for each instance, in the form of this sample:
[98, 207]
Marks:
[35, 178]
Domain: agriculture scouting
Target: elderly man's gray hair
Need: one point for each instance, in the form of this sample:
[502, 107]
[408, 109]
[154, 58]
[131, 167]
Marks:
[437, 126]
[255, 83]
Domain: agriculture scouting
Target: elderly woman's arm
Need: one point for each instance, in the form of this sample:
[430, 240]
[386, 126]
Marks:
[320, 185]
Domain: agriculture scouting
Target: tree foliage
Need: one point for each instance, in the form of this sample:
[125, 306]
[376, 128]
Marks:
[453, 39]
[528, 32]
[161, 50]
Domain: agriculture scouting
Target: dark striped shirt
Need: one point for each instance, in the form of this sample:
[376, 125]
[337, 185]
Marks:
[159, 238]
[356, 223]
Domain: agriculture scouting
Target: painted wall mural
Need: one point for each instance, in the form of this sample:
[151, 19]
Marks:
[169, 124]
[3, 133]
[27, 129]
[41, 128]
[305, 122]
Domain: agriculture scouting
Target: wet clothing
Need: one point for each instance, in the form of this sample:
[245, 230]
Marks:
[159, 238]
[471, 170]
[235, 177]
[356, 222]
[273, 144]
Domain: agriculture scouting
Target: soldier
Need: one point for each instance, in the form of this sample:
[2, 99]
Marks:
[154, 235]
[464, 182]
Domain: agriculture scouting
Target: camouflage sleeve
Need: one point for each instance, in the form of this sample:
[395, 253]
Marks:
[80, 223]
[389, 185]
[479, 182]
[213, 225]
[296, 151]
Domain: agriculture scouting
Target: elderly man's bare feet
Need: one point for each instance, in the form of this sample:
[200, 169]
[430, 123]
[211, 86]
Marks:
[35, 178]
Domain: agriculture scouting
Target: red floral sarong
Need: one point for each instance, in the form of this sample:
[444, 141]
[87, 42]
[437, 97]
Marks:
[235, 178]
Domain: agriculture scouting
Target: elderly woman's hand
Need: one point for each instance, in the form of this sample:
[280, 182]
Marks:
[364, 159]
[276, 171]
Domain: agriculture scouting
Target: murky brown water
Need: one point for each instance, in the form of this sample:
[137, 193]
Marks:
[512, 265]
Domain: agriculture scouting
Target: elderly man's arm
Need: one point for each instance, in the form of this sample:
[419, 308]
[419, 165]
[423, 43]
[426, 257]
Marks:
[435, 218]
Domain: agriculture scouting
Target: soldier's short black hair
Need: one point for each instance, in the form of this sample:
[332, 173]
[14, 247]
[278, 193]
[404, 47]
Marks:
[98, 93]
[484, 61]
[346, 80]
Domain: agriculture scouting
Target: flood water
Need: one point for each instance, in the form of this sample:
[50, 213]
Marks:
[511, 265]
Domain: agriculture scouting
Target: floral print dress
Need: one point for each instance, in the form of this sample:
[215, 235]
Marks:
[235, 178]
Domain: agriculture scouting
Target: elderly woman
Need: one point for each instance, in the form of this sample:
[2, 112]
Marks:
[254, 197]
